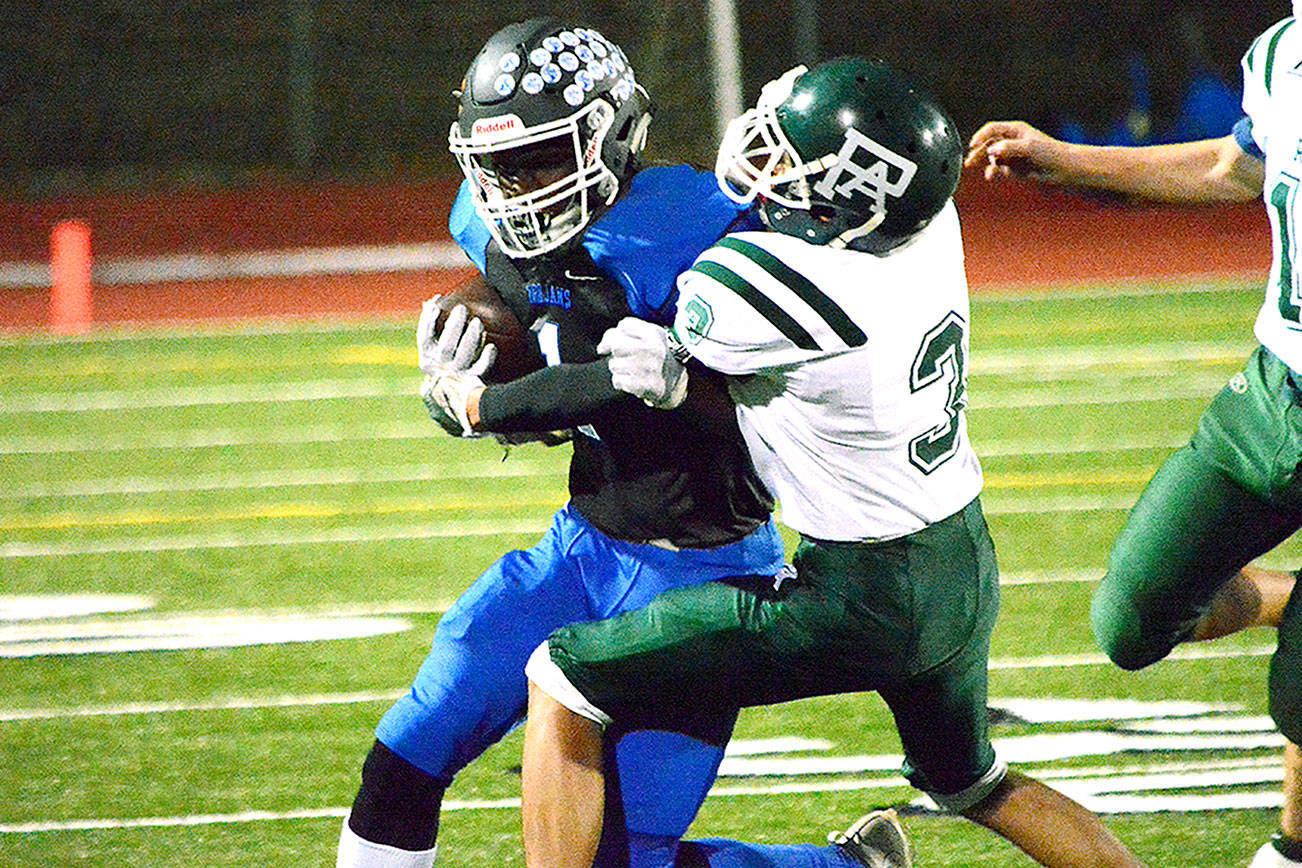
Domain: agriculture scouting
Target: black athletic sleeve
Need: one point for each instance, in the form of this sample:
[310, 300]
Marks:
[555, 398]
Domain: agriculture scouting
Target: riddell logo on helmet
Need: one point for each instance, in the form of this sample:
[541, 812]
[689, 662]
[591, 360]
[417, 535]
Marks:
[497, 126]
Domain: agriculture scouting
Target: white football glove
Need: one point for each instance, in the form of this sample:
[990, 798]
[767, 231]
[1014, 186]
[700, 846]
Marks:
[447, 398]
[642, 363]
[457, 346]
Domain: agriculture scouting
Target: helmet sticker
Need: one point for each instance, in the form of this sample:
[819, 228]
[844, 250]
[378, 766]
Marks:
[573, 94]
[505, 85]
[568, 61]
[583, 79]
[699, 317]
[510, 62]
[568, 37]
[584, 53]
[554, 45]
[551, 73]
[532, 83]
[871, 179]
[540, 57]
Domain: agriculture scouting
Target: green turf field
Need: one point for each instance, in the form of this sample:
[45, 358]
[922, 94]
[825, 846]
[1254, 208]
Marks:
[279, 526]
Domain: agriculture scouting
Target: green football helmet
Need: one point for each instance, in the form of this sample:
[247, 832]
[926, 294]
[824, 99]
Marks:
[850, 153]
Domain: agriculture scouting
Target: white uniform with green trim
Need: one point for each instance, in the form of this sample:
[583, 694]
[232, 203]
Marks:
[1272, 99]
[849, 374]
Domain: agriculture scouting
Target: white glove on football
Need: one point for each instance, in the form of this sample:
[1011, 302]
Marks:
[457, 346]
[447, 397]
[642, 363]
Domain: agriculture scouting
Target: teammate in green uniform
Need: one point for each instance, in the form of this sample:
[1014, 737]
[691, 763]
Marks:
[1179, 570]
[843, 330]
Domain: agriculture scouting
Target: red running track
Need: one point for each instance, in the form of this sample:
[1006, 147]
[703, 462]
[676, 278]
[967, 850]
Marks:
[1016, 236]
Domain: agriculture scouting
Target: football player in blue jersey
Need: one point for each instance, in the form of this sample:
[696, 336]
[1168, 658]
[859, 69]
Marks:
[1180, 568]
[842, 326]
[560, 219]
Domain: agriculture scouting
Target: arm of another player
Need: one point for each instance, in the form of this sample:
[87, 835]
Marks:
[643, 362]
[1202, 172]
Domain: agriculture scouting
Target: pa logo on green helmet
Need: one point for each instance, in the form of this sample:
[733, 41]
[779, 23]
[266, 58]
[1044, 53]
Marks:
[887, 175]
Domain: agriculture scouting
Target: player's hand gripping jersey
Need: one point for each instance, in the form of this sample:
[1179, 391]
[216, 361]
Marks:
[1272, 99]
[850, 391]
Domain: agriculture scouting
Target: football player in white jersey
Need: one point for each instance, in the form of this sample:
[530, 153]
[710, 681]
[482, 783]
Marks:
[1179, 570]
[842, 324]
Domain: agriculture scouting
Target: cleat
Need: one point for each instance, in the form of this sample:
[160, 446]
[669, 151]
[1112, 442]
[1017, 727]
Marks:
[875, 840]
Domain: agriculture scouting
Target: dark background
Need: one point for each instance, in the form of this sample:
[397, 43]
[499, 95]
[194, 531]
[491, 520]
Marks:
[156, 94]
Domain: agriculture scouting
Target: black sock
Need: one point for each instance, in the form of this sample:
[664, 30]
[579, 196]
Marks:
[1289, 848]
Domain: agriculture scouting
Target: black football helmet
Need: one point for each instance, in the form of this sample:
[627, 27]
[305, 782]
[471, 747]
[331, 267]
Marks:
[550, 125]
[850, 153]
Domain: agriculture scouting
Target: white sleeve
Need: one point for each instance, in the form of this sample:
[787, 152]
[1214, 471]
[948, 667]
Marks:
[722, 331]
[738, 313]
[1259, 72]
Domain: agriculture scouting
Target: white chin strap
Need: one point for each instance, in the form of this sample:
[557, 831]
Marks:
[844, 239]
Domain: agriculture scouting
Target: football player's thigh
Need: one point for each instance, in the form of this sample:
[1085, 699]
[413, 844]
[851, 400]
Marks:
[941, 718]
[1189, 533]
[471, 687]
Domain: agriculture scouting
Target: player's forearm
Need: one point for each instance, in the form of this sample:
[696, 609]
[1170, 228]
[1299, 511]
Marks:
[1202, 172]
[558, 397]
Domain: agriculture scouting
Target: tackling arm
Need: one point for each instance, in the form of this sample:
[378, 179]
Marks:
[1202, 172]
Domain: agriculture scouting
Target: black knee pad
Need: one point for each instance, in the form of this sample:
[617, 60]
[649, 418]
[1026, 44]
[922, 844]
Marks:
[397, 804]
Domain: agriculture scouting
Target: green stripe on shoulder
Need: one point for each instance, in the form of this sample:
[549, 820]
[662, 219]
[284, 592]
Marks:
[1272, 44]
[803, 287]
[763, 305]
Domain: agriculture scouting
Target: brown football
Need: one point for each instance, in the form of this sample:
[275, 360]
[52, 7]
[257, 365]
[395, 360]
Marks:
[517, 349]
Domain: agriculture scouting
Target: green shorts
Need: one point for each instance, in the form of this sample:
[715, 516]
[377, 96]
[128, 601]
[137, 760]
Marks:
[1231, 495]
[909, 618]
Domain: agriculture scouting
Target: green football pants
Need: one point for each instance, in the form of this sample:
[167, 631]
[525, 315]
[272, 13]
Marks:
[1231, 495]
[910, 618]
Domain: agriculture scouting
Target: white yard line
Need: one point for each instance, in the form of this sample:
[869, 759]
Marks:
[344, 535]
[225, 395]
[294, 262]
[487, 527]
[235, 394]
[208, 438]
[213, 438]
[283, 478]
[1067, 661]
[1187, 653]
[231, 704]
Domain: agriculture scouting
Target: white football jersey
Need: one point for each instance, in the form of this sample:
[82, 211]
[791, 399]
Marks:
[848, 371]
[1272, 98]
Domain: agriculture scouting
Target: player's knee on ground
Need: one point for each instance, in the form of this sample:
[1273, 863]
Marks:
[397, 804]
[1285, 684]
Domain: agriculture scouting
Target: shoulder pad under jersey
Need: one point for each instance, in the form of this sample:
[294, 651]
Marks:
[467, 229]
[668, 216]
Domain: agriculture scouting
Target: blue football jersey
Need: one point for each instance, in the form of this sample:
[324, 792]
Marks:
[668, 215]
